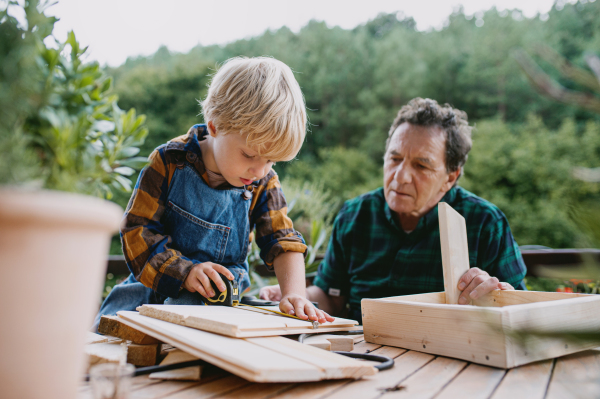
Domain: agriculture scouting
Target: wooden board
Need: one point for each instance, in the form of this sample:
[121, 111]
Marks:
[455, 252]
[576, 376]
[111, 325]
[142, 355]
[238, 322]
[489, 334]
[185, 374]
[265, 359]
[105, 352]
[331, 342]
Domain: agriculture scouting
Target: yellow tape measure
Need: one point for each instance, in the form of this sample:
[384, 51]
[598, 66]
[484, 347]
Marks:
[314, 323]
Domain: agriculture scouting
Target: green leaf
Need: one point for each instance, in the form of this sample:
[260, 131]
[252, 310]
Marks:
[124, 170]
[136, 162]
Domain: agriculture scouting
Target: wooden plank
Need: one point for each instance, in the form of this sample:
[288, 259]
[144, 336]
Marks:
[464, 332]
[186, 374]
[111, 325]
[581, 313]
[455, 251]
[406, 363]
[240, 356]
[239, 322]
[331, 342]
[319, 389]
[498, 298]
[211, 389]
[105, 352]
[257, 391]
[527, 382]
[161, 389]
[92, 338]
[428, 380]
[333, 366]
[576, 376]
[431, 297]
[474, 382]
[365, 347]
[142, 355]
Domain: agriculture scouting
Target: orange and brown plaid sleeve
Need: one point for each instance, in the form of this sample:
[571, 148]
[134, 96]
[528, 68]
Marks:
[146, 247]
[274, 229]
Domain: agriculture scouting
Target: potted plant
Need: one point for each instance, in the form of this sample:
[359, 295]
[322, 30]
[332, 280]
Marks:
[60, 131]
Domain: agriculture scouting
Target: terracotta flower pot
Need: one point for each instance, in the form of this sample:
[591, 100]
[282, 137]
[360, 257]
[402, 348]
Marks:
[53, 251]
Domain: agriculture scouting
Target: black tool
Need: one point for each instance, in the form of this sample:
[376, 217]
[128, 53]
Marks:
[229, 297]
[386, 362]
[253, 301]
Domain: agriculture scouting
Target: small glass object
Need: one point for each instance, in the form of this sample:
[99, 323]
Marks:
[111, 380]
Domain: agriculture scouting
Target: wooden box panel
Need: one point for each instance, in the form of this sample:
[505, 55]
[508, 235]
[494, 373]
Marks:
[482, 334]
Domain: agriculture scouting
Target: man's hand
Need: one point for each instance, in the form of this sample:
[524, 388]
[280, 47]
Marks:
[294, 304]
[475, 283]
[198, 280]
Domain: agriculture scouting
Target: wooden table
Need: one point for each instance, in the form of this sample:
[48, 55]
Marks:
[415, 375]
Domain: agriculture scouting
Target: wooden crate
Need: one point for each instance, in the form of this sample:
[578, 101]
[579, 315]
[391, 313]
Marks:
[484, 331]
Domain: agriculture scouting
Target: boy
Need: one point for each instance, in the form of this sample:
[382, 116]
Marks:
[196, 203]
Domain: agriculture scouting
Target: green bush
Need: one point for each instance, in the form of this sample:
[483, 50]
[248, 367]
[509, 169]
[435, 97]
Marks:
[344, 172]
[526, 170]
[60, 128]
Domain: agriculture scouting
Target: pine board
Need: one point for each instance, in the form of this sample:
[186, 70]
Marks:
[268, 359]
[239, 322]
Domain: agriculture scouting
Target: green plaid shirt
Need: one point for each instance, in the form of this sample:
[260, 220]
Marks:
[370, 256]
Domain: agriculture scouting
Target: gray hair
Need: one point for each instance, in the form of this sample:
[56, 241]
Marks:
[427, 112]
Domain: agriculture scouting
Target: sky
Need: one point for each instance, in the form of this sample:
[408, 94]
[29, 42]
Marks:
[117, 29]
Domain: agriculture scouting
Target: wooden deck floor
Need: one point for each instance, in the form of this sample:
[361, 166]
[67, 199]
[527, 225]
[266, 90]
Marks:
[415, 375]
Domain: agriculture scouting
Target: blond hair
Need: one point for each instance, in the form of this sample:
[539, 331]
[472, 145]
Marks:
[259, 97]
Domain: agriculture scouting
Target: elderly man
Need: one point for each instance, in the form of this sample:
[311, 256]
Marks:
[387, 243]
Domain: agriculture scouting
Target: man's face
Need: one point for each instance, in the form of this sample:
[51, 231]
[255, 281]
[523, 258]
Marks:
[238, 163]
[414, 171]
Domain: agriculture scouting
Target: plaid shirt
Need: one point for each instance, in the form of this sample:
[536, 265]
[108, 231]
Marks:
[370, 256]
[147, 247]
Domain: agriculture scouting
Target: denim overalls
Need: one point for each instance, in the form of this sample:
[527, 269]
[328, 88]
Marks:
[205, 224]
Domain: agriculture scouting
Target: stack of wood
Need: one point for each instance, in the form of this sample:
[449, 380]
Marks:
[122, 343]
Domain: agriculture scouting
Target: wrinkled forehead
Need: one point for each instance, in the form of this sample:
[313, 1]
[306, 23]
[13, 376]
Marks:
[418, 140]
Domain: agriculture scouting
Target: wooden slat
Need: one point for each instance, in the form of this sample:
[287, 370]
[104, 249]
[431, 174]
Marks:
[474, 382]
[526, 382]
[239, 322]
[333, 366]
[112, 326]
[252, 360]
[211, 389]
[581, 313]
[372, 387]
[427, 381]
[465, 332]
[319, 389]
[576, 376]
[365, 347]
[498, 298]
[186, 374]
[256, 391]
[455, 252]
[161, 389]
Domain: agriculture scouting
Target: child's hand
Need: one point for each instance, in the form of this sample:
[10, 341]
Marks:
[198, 280]
[301, 307]
[270, 293]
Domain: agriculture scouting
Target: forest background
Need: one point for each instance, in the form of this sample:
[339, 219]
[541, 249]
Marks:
[354, 82]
